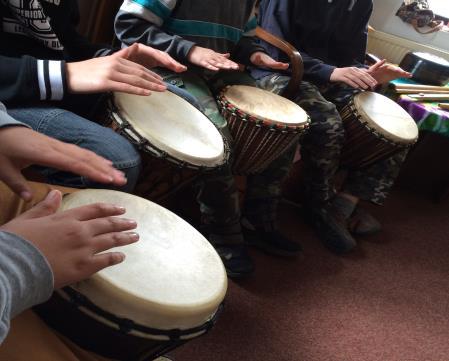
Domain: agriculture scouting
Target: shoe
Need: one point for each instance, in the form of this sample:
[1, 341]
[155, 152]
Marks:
[361, 223]
[331, 228]
[271, 242]
[237, 261]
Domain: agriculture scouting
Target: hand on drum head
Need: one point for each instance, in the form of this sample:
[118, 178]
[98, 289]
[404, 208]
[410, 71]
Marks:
[210, 59]
[72, 240]
[150, 57]
[384, 73]
[21, 147]
[354, 77]
[263, 60]
[112, 73]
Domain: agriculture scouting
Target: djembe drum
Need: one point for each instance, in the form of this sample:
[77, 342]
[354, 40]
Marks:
[168, 290]
[263, 126]
[376, 128]
[177, 141]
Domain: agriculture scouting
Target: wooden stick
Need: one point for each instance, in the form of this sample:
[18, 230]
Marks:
[444, 106]
[429, 97]
[419, 87]
[414, 91]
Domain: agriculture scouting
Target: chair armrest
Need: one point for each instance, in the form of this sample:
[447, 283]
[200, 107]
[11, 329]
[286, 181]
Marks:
[296, 63]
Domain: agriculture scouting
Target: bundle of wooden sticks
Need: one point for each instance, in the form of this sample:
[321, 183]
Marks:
[423, 92]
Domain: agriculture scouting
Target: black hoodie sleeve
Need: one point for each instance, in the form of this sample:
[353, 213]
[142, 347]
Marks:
[30, 79]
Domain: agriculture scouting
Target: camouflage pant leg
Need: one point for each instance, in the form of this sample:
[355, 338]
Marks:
[321, 145]
[263, 189]
[373, 183]
[217, 193]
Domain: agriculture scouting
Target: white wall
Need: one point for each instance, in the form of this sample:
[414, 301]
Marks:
[384, 19]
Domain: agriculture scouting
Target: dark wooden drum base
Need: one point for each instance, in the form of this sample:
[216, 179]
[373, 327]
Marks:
[113, 342]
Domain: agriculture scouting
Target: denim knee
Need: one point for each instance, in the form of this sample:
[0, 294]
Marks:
[71, 128]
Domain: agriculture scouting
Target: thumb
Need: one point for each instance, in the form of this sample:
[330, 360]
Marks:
[48, 206]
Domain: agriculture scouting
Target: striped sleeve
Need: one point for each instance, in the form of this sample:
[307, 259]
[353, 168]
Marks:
[141, 21]
[152, 11]
[51, 79]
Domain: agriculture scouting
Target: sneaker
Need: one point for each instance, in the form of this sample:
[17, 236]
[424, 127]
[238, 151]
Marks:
[271, 242]
[237, 261]
[362, 223]
[331, 228]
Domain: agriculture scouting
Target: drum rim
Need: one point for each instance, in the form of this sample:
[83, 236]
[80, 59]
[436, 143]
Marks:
[226, 105]
[374, 128]
[127, 326]
[145, 145]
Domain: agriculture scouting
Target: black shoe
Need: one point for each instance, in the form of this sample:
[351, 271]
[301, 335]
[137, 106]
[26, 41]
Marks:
[363, 223]
[236, 260]
[331, 228]
[271, 242]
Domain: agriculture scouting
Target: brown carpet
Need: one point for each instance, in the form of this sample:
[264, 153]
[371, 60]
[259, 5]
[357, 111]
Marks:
[389, 301]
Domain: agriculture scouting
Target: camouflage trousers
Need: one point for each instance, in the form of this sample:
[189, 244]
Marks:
[218, 196]
[321, 147]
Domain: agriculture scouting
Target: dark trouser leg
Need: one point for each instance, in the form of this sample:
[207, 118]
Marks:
[374, 183]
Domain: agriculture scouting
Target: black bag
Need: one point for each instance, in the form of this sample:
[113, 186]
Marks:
[418, 14]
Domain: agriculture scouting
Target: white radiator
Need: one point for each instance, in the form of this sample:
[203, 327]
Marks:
[393, 48]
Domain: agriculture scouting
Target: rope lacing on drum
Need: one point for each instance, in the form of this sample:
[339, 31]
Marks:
[125, 325]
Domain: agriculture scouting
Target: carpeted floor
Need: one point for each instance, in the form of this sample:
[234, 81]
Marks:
[389, 301]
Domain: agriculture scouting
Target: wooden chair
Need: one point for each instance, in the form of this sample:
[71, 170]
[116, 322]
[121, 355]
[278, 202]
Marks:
[296, 63]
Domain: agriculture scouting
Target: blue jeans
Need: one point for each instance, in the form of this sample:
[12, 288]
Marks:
[71, 128]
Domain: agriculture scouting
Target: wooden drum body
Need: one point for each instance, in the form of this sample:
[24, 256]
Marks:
[376, 128]
[168, 290]
[263, 126]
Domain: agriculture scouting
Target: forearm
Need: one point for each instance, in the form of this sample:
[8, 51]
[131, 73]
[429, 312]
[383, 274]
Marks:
[131, 29]
[25, 278]
[316, 70]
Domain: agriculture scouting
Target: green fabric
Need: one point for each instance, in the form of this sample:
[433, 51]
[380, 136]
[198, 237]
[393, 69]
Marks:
[203, 29]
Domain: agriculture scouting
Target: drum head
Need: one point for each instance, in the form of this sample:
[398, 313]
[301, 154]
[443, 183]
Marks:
[386, 117]
[173, 125]
[265, 105]
[172, 278]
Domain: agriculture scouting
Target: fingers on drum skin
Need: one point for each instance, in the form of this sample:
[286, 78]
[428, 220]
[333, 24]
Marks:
[139, 72]
[130, 67]
[107, 241]
[127, 88]
[140, 82]
[95, 211]
[104, 260]
[110, 224]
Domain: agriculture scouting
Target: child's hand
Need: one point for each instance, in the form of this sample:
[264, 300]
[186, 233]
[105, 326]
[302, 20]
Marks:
[355, 77]
[262, 60]
[211, 60]
[384, 73]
